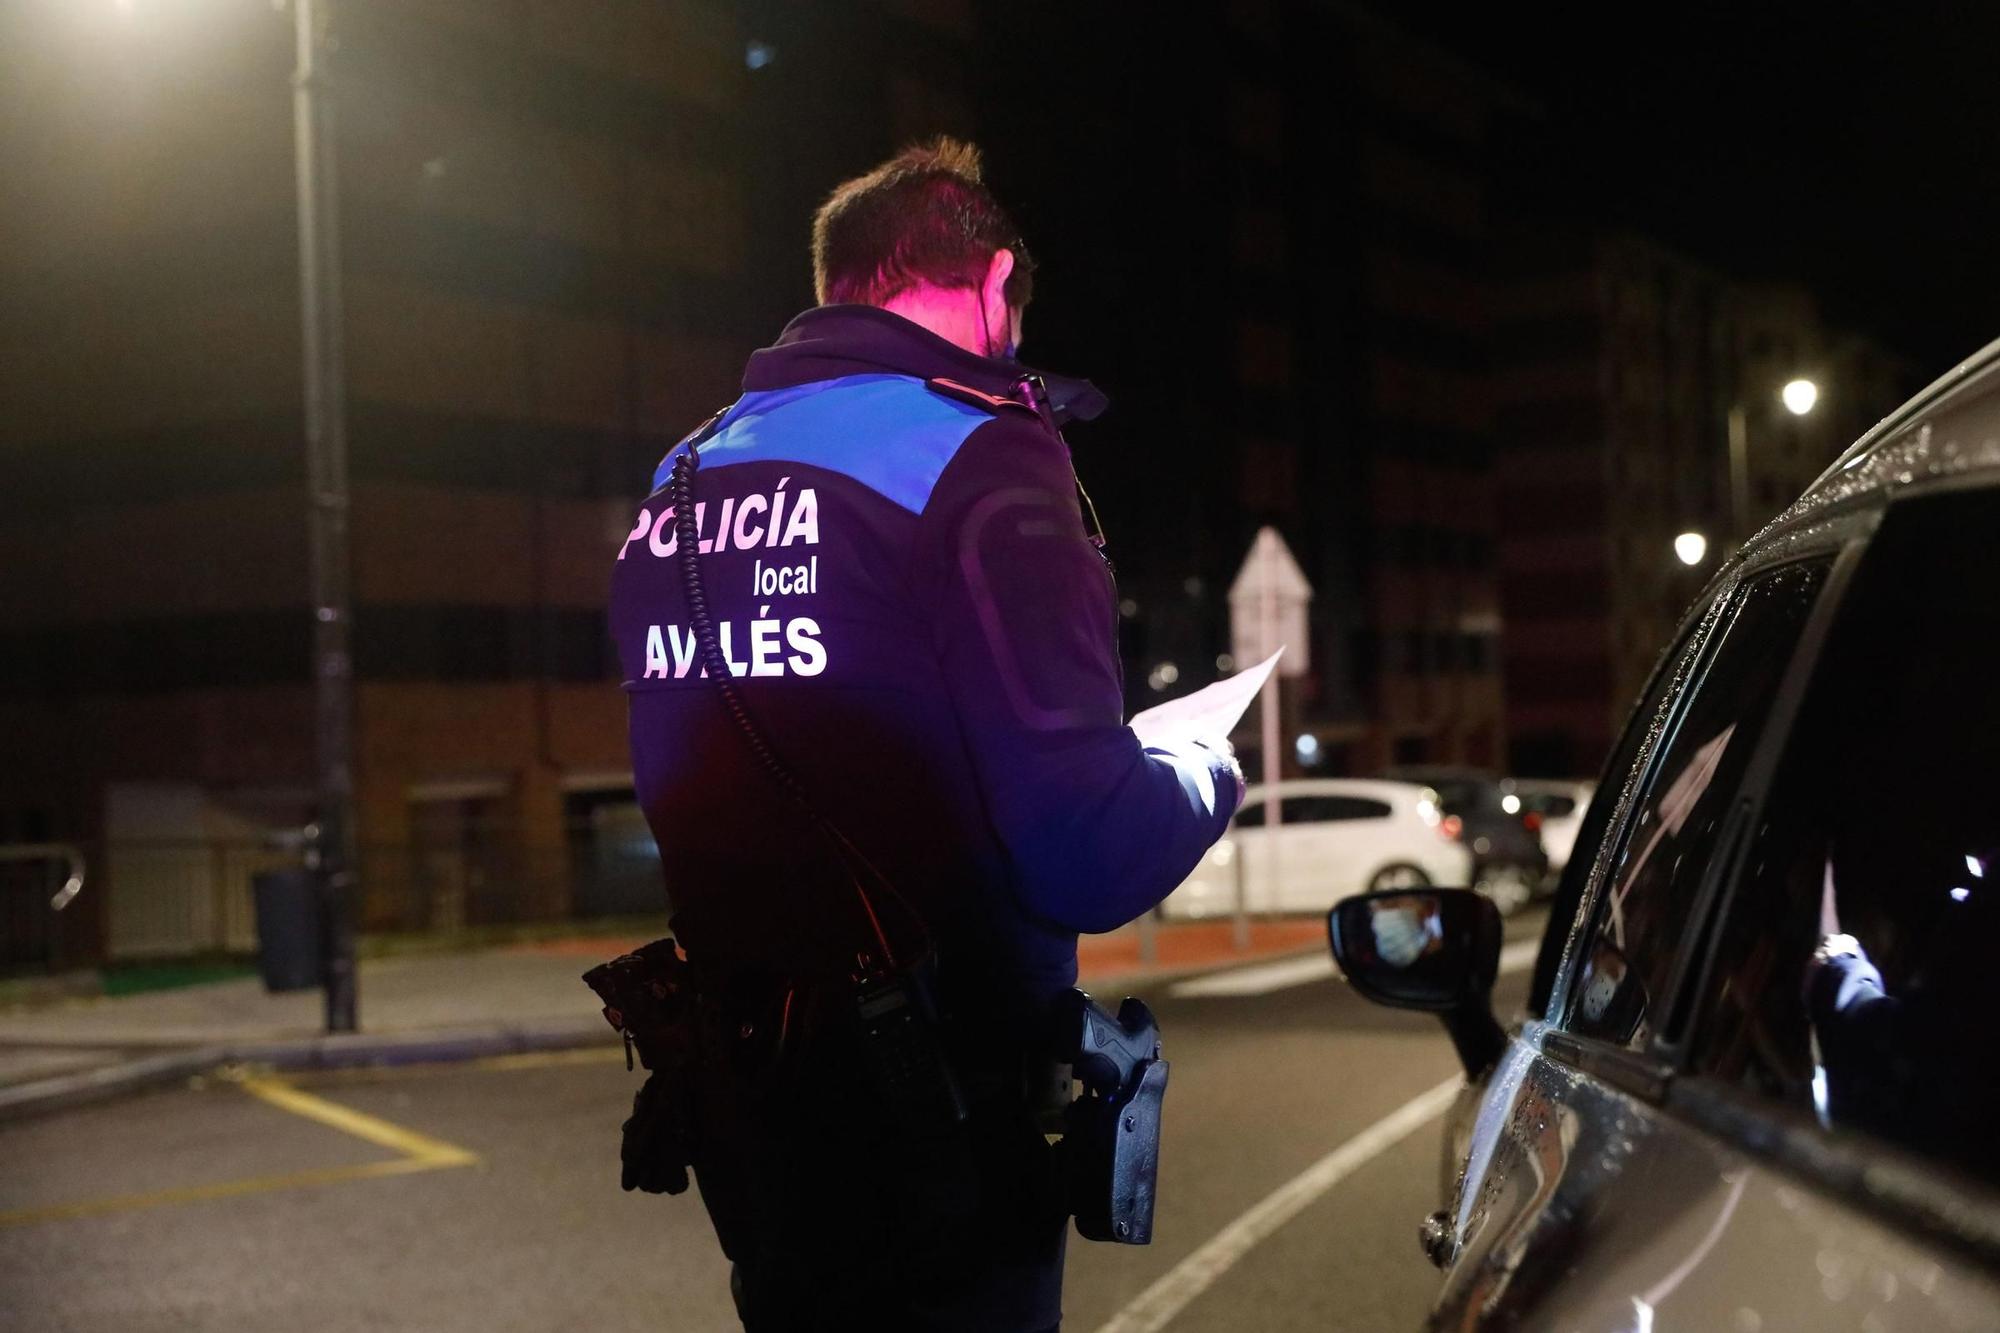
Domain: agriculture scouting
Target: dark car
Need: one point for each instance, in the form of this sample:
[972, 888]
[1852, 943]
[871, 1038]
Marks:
[1509, 864]
[1757, 1084]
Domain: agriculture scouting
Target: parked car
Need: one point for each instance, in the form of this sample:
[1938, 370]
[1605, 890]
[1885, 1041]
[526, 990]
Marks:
[1756, 1084]
[1509, 863]
[1335, 836]
[1552, 809]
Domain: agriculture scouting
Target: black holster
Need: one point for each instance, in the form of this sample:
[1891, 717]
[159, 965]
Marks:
[1111, 1132]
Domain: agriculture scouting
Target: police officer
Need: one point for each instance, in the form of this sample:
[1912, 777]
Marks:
[914, 612]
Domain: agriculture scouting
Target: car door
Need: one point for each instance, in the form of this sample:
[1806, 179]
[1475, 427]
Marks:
[1369, 837]
[1310, 865]
[1568, 1156]
[1836, 1048]
[1250, 858]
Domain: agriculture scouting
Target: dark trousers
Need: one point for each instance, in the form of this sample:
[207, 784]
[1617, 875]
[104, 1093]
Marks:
[835, 1219]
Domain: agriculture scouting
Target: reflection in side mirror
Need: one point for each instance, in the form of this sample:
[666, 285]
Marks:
[1611, 999]
[1431, 949]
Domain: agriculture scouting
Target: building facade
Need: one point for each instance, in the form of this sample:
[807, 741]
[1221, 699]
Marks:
[1306, 242]
[1622, 368]
[558, 239]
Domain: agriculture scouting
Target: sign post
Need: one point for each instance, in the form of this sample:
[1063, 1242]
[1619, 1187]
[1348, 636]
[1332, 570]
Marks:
[1267, 611]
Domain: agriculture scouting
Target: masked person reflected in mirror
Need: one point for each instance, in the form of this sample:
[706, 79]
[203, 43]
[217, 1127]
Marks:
[881, 841]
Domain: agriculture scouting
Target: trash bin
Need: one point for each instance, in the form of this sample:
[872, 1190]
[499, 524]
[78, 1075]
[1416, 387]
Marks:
[290, 930]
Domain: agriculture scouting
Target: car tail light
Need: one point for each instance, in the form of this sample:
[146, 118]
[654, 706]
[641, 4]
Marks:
[1452, 827]
[1532, 822]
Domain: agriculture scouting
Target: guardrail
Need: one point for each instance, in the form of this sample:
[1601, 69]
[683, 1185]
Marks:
[69, 855]
[31, 932]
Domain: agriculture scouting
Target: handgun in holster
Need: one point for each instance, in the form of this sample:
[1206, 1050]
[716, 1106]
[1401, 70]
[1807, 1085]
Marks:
[1111, 1139]
[650, 997]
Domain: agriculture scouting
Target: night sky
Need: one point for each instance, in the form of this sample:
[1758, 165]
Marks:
[1849, 146]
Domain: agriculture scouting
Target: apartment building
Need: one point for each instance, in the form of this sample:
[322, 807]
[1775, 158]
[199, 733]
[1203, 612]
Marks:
[558, 241]
[1305, 243]
[1622, 368]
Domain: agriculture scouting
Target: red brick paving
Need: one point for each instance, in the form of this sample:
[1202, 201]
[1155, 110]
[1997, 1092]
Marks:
[1181, 946]
[1185, 945]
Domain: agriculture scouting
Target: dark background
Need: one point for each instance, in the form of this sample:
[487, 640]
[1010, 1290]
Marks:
[1848, 146]
[1459, 301]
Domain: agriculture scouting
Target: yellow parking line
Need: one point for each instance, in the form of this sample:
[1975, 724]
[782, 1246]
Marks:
[419, 1152]
[332, 1175]
[587, 1055]
[418, 1147]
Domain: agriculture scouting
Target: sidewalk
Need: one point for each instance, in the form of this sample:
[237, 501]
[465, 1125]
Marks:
[440, 1006]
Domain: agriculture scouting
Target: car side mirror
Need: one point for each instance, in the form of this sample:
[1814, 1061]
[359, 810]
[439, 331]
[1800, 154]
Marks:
[1437, 950]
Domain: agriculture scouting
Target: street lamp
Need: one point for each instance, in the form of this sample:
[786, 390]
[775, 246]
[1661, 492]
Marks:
[332, 856]
[1691, 547]
[1799, 397]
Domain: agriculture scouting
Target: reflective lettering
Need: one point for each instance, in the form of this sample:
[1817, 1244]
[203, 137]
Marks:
[656, 653]
[664, 524]
[638, 531]
[683, 650]
[808, 654]
[804, 522]
[747, 536]
[764, 649]
[777, 513]
[736, 668]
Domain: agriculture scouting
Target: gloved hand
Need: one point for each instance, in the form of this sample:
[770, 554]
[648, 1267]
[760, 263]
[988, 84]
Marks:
[1219, 745]
[654, 1150]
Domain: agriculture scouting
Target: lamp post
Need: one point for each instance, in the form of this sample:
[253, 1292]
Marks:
[331, 855]
[1799, 397]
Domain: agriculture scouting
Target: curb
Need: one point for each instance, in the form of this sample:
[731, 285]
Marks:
[66, 1091]
[63, 1092]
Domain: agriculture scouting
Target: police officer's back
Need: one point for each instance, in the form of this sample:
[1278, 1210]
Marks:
[894, 555]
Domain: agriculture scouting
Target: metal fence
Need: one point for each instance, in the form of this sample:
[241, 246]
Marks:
[37, 882]
[184, 898]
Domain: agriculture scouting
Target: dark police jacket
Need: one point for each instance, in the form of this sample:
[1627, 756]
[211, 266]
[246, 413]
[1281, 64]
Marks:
[901, 579]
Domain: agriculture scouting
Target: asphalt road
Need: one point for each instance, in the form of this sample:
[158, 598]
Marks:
[483, 1197]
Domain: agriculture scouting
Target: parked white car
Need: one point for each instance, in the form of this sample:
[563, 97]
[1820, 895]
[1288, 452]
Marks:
[1557, 808]
[1335, 836]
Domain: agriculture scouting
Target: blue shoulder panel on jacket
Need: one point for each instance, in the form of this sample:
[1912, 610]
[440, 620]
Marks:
[888, 432]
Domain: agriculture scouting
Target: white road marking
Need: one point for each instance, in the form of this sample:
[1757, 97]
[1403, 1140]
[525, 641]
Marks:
[1519, 954]
[1166, 1298]
[1282, 973]
[1259, 978]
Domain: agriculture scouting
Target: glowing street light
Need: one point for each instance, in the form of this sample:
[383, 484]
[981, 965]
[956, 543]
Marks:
[1691, 547]
[1799, 397]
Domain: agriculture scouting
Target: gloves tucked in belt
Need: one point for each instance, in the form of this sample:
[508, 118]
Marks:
[654, 1151]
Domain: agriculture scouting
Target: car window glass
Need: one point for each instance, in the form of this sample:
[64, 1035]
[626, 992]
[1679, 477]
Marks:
[1675, 666]
[1307, 809]
[1357, 807]
[1548, 806]
[1315, 810]
[1854, 976]
[1644, 908]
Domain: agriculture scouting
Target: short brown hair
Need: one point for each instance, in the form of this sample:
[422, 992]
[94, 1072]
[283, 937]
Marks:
[923, 217]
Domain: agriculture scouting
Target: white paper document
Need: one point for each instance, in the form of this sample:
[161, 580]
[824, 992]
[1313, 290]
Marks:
[1213, 710]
